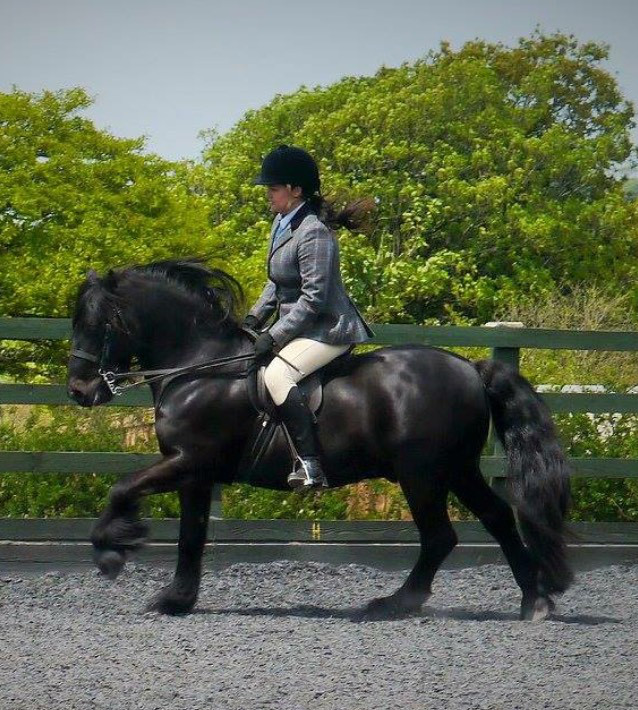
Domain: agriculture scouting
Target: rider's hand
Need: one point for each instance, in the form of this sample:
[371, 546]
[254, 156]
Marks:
[263, 346]
[250, 322]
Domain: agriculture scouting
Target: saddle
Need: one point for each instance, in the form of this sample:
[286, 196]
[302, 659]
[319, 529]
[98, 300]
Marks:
[310, 387]
[267, 423]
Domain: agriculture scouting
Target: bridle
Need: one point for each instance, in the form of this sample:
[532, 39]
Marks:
[102, 357]
[111, 376]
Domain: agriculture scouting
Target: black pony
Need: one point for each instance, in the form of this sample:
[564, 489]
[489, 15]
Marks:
[413, 414]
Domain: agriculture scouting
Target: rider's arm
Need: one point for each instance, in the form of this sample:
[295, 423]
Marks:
[265, 305]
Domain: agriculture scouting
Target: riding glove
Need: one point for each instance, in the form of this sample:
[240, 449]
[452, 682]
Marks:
[263, 346]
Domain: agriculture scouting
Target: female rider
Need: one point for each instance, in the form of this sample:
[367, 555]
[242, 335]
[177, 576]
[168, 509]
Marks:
[316, 321]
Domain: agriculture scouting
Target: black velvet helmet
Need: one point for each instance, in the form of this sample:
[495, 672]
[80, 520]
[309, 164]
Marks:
[288, 165]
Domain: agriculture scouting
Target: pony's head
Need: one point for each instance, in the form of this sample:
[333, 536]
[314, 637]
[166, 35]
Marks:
[100, 340]
[132, 310]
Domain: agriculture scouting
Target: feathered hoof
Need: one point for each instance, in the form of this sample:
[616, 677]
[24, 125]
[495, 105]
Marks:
[172, 602]
[536, 608]
[109, 562]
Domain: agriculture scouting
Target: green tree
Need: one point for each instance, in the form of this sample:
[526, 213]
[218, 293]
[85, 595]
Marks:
[74, 197]
[497, 171]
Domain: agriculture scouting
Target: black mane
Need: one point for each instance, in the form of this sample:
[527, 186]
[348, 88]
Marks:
[211, 286]
[216, 293]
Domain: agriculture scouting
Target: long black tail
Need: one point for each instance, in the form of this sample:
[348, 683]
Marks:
[537, 470]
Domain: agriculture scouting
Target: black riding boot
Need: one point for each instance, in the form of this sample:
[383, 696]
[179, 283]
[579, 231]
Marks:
[298, 420]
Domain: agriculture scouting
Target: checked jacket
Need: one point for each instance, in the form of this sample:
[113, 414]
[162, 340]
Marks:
[304, 286]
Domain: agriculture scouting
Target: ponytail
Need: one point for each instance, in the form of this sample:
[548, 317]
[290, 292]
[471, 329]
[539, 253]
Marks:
[352, 216]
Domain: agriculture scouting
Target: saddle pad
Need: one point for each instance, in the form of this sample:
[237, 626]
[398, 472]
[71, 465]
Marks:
[264, 433]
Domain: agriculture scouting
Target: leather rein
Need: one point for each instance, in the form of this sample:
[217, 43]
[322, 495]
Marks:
[111, 377]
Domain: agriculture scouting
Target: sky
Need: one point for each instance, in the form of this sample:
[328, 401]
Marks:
[168, 70]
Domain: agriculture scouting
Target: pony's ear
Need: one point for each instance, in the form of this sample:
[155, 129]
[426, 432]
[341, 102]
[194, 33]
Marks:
[91, 276]
[110, 280]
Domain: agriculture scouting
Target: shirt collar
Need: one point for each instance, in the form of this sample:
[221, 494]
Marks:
[287, 218]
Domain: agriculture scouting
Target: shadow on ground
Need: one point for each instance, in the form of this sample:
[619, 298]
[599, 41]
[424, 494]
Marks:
[358, 614]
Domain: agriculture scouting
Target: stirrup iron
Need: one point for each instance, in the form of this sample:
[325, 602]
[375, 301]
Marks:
[302, 478]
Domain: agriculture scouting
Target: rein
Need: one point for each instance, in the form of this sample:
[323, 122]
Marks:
[111, 377]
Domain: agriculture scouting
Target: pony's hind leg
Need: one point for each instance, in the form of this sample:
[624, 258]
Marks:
[427, 499]
[498, 519]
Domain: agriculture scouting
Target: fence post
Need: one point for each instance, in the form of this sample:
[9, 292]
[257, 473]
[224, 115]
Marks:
[216, 512]
[512, 357]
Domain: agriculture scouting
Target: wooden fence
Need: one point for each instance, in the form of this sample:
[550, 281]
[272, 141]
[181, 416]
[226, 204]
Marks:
[505, 344]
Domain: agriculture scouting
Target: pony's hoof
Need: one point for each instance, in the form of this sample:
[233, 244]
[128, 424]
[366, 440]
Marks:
[172, 602]
[536, 608]
[109, 562]
[392, 607]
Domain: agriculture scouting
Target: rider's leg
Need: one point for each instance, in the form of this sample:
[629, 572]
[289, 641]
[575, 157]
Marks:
[281, 379]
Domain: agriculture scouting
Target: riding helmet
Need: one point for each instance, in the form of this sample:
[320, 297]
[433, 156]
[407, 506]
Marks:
[288, 165]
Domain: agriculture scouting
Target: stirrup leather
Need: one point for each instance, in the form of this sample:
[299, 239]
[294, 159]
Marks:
[301, 475]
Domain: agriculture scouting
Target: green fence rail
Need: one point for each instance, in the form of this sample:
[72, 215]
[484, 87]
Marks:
[505, 344]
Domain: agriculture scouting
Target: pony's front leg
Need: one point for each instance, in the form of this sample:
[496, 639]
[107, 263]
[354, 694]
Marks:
[180, 595]
[119, 529]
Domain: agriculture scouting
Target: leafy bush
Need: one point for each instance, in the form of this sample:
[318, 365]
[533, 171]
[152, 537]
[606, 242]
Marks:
[68, 429]
[587, 307]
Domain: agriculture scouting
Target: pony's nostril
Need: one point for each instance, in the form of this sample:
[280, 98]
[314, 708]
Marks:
[74, 392]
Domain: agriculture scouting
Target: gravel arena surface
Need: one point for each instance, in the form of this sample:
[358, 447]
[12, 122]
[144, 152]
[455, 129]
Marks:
[282, 635]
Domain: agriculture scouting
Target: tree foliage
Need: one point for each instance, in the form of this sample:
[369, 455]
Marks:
[74, 197]
[496, 169]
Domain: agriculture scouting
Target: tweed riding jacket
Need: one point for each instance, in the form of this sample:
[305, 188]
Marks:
[304, 285]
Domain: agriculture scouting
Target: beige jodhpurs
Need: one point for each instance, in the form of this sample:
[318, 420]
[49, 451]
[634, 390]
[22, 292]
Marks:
[307, 355]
